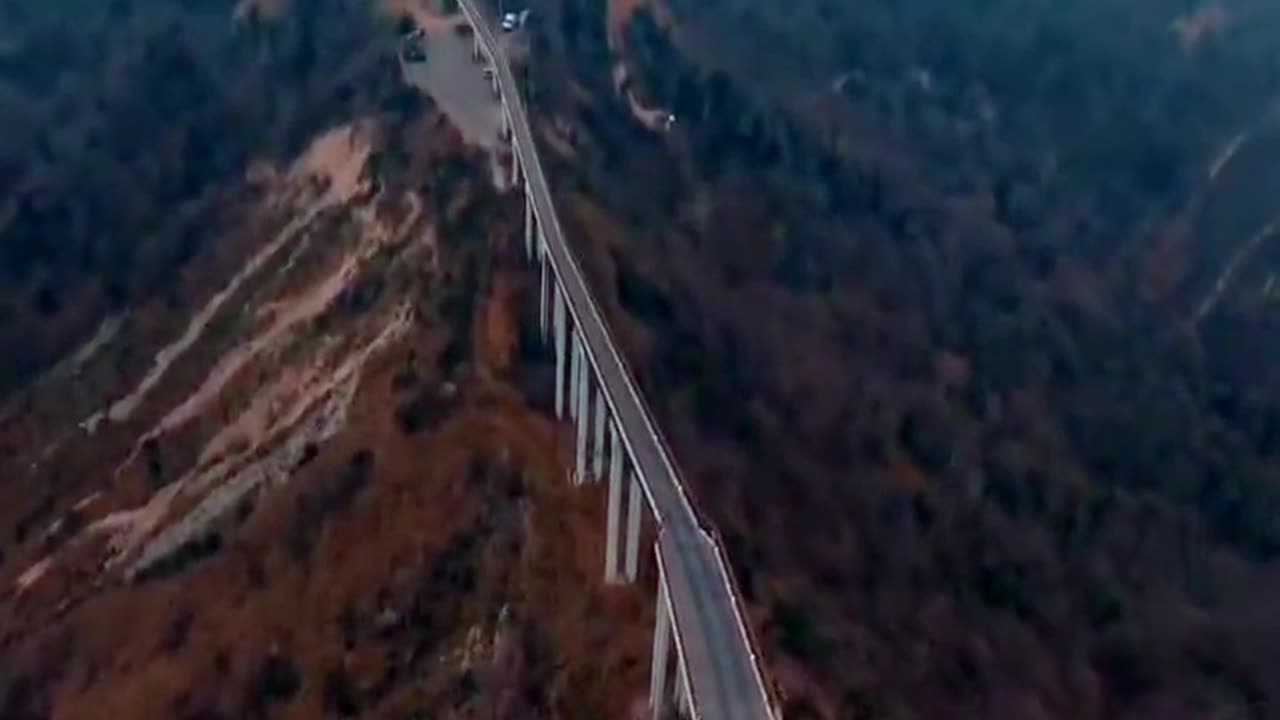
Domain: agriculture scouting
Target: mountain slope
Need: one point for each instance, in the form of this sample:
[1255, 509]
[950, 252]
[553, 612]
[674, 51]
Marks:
[296, 463]
[957, 316]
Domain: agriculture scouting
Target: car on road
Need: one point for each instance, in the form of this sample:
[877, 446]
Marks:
[413, 46]
[513, 21]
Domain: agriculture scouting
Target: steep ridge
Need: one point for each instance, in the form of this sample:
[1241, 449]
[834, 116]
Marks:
[311, 476]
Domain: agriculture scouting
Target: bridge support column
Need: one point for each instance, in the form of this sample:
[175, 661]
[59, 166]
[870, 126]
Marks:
[632, 543]
[528, 211]
[597, 457]
[542, 291]
[614, 510]
[661, 649]
[575, 359]
[515, 167]
[558, 320]
[584, 414]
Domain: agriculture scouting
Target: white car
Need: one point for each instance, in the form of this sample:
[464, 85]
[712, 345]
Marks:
[514, 21]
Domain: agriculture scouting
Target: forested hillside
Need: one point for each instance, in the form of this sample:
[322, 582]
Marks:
[272, 441]
[962, 317]
[123, 122]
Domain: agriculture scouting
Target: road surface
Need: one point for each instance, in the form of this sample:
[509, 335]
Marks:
[710, 633]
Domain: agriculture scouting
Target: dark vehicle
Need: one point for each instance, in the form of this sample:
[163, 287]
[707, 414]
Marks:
[413, 47]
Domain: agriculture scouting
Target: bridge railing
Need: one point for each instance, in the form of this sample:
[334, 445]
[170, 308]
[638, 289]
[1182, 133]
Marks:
[716, 541]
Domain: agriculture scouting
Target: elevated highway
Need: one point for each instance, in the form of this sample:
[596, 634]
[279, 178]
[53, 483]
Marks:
[717, 673]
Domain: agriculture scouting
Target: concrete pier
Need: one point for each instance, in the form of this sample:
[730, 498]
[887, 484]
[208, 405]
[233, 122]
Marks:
[528, 215]
[542, 291]
[575, 359]
[515, 171]
[559, 322]
[661, 650]
[614, 507]
[584, 419]
[632, 547]
[597, 457]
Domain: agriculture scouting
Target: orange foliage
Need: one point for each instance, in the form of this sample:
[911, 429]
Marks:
[497, 337]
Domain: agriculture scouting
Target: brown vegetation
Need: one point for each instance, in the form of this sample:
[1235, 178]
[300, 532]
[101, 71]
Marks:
[329, 495]
[921, 345]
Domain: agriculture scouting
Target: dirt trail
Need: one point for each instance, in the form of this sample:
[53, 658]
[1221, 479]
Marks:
[315, 413]
[1228, 152]
[653, 118]
[1228, 273]
[123, 408]
[301, 404]
[287, 318]
[268, 410]
[1233, 146]
[32, 575]
[1220, 162]
[72, 366]
[281, 404]
[337, 157]
[310, 307]
[106, 332]
[300, 409]
[1174, 235]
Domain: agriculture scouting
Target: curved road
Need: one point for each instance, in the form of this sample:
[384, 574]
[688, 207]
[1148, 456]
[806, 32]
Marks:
[725, 680]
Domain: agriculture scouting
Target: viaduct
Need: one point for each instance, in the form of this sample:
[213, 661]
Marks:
[717, 671]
